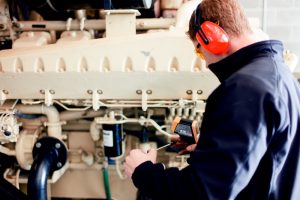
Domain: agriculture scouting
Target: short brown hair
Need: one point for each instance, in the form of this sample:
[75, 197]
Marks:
[228, 13]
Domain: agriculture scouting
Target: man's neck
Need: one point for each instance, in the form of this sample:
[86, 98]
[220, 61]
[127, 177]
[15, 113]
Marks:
[243, 41]
[236, 44]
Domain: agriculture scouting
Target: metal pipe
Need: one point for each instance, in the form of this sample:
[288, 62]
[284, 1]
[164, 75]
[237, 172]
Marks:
[91, 24]
[94, 131]
[7, 151]
[54, 126]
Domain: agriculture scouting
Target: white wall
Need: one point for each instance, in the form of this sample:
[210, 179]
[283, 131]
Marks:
[280, 20]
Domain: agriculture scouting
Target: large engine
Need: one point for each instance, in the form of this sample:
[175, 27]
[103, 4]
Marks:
[82, 83]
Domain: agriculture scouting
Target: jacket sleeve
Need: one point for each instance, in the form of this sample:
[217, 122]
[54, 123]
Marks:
[234, 137]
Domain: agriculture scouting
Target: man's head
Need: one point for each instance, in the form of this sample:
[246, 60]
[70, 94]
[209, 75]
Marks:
[225, 14]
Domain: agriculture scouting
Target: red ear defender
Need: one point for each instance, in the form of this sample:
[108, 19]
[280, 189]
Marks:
[213, 38]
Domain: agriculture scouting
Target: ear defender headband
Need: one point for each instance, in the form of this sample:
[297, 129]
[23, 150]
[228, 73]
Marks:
[210, 35]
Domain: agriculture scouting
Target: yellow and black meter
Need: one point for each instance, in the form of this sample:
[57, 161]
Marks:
[188, 130]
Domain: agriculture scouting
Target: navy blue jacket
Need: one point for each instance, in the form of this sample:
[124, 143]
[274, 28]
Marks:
[249, 146]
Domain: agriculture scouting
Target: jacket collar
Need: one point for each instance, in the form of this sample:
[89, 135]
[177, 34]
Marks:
[229, 65]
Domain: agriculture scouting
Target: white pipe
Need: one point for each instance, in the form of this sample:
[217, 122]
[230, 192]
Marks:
[18, 178]
[118, 169]
[24, 147]
[33, 123]
[94, 131]
[95, 24]
[7, 151]
[54, 125]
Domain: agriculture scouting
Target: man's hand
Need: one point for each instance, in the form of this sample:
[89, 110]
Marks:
[137, 157]
[178, 143]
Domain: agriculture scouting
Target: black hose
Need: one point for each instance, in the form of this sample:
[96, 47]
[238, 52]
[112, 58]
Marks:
[49, 154]
[26, 116]
[37, 181]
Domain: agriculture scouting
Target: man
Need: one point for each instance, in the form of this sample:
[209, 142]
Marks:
[249, 146]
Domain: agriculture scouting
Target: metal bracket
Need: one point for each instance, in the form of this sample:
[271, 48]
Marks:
[95, 99]
[49, 97]
[121, 18]
[144, 100]
[2, 97]
[194, 95]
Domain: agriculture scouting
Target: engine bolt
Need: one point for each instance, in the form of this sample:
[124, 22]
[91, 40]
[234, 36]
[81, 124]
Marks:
[38, 145]
[59, 164]
[189, 92]
[199, 92]
[57, 145]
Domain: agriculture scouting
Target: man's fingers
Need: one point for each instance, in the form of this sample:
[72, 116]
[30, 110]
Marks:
[184, 151]
[191, 147]
[188, 149]
[175, 138]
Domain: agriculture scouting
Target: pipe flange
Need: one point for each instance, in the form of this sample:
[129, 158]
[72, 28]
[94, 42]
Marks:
[54, 145]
